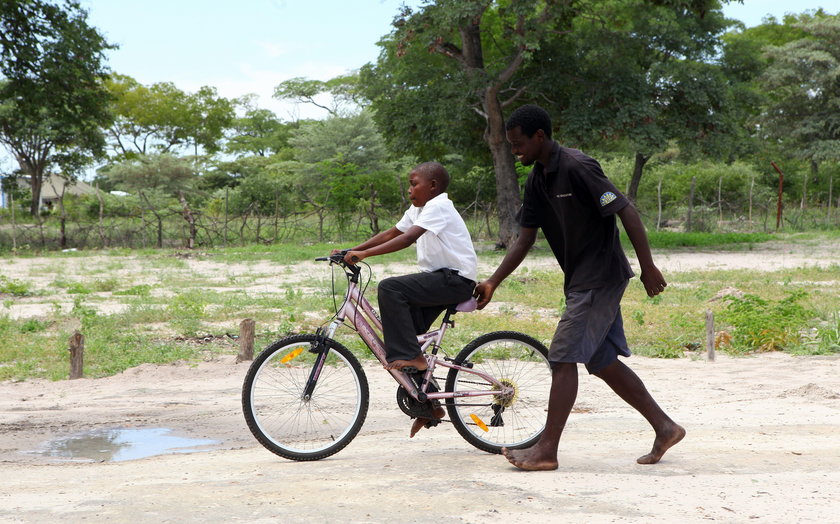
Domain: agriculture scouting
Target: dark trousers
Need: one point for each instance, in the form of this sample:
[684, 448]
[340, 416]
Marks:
[409, 305]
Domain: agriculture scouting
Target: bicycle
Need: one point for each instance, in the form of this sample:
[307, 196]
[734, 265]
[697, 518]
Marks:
[305, 397]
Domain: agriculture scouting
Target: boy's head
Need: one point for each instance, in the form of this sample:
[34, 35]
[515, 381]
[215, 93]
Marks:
[528, 130]
[426, 181]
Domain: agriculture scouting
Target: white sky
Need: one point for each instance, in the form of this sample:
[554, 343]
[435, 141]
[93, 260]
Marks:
[242, 47]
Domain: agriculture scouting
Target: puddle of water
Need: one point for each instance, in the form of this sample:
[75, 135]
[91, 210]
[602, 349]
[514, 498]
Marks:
[116, 445]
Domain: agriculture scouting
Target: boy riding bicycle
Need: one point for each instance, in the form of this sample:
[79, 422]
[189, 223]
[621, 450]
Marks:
[409, 304]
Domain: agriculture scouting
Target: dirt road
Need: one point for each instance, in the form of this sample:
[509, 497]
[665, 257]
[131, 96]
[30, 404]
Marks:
[762, 446]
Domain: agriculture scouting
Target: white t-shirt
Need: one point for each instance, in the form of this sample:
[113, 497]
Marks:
[446, 242]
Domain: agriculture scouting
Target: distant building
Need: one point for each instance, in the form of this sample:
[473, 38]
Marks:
[53, 186]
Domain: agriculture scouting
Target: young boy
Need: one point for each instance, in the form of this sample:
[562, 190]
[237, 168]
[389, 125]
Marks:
[572, 201]
[448, 269]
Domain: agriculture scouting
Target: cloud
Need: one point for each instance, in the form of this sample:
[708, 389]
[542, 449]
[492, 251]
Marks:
[273, 49]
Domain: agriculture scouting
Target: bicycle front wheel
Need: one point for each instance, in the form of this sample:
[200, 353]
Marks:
[284, 420]
[491, 422]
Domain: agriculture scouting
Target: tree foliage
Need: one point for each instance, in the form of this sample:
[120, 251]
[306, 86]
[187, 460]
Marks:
[803, 83]
[484, 53]
[164, 119]
[52, 100]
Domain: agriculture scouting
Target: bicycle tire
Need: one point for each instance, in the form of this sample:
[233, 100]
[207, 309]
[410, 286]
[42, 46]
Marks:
[287, 424]
[491, 422]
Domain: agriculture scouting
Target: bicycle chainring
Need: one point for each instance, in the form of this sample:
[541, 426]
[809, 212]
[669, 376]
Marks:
[412, 407]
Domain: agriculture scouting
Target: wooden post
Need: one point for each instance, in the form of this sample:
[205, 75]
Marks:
[246, 340]
[710, 335]
[77, 355]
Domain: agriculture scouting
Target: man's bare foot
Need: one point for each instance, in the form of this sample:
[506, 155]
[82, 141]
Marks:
[419, 363]
[663, 443]
[530, 459]
[420, 422]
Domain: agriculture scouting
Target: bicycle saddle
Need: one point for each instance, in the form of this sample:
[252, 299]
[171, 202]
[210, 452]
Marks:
[467, 306]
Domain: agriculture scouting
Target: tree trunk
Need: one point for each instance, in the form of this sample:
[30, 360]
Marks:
[507, 188]
[35, 184]
[374, 218]
[190, 218]
[102, 238]
[636, 178]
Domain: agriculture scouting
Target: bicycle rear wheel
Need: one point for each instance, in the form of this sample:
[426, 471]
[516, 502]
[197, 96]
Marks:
[492, 422]
[295, 427]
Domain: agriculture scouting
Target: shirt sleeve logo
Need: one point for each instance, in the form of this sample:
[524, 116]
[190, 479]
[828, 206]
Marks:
[607, 197]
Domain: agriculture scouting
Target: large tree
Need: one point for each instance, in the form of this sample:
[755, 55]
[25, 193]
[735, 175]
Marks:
[52, 100]
[487, 44]
[660, 88]
[161, 118]
[803, 84]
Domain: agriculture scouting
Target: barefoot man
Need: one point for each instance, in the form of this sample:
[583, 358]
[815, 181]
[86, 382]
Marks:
[570, 198]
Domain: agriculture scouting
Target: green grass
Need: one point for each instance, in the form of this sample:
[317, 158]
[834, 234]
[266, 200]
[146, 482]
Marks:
[161, 311]
[672, 240]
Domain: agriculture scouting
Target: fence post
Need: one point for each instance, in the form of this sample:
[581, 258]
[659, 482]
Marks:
[710, 335]
[246, 340]
[77, 355]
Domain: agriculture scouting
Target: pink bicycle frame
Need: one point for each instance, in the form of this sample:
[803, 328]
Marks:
[359, 312]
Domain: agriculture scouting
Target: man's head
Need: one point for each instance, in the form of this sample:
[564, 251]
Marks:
[528, 129]
[426, 181]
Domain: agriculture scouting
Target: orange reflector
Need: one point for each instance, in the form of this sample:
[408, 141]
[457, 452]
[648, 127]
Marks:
[291, 355]
[478, 422]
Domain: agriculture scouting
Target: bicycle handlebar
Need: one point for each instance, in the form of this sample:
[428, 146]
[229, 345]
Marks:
[338, 258]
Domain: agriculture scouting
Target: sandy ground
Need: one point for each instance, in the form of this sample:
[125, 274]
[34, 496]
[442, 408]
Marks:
[763, 445]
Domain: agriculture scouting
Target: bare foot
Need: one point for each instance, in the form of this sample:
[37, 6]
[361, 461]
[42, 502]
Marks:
[418, 362]
[420, 422]
[530, 459]
[663, 443]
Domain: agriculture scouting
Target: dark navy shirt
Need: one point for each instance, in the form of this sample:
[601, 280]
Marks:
[574, 204]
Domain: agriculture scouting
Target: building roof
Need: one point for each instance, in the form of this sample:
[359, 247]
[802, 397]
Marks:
[53, 184]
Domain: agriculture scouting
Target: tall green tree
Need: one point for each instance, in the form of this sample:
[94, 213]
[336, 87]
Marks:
[52, 100]
[743, 62]
[342, 166]
[258, 132]
[339, 96]
[803, 84]
[660, 88]
[162, 118]
[485, 45]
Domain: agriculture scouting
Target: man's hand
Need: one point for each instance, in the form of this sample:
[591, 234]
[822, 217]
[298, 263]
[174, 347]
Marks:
[653, 281]
[484, 292]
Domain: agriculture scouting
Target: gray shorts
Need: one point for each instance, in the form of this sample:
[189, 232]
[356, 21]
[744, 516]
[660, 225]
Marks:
[590, 331]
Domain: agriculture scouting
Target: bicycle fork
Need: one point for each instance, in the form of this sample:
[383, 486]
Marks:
[320, 349]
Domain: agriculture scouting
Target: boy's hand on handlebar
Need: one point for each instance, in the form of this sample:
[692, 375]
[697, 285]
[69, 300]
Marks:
[484, 292]
[354, 257]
